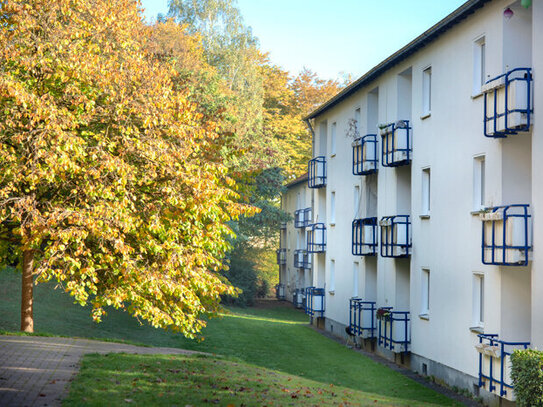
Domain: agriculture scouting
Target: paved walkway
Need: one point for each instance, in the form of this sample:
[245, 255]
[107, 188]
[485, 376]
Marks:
[35, 371]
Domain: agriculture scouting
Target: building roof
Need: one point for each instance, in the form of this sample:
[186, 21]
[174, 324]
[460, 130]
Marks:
[422, 40]
[302, 178]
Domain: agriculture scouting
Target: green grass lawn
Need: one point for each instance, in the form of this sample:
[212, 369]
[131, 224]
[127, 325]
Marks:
[276, 340]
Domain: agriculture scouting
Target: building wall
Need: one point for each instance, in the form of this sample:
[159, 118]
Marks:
[296, 197]
[447, 240]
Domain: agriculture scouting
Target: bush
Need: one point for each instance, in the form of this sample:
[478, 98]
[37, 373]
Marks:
[527, 375]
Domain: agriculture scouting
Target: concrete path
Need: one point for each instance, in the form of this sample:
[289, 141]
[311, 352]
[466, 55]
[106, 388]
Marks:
[36, 371]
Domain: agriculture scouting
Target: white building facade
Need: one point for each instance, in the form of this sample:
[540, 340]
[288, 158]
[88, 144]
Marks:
[426, 200]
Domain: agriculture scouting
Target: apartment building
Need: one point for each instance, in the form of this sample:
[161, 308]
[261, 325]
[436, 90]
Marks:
[424, 201]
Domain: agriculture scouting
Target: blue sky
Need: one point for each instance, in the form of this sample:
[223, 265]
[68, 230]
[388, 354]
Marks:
[332, 37]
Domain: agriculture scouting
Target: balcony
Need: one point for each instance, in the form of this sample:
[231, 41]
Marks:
[281, 256]
[307, 260]
[280, 292]
[508, 103]
[395, 236]
[314, 302]
[316, 172]
[365, 159]
[507, 235]
[298, 298]
[396, 144]
[307, 216]
[394, 329]
[299, 218]
[316, 238]
[299, 258]
[302, 218]
[495, 364]
[362, 318]
[364, 237]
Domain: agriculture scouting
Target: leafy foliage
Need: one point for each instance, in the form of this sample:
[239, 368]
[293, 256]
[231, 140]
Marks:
[527, 375]
[267, 141]
[112, 180]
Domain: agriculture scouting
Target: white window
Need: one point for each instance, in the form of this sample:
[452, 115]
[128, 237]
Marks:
[332, 275]
[427, 91]
[355, 279]
[356, 201]
[479, 69]
[425, 292]
[425, 202]
[479, 183]
[333, 139]
[333, 207]
[478, 299]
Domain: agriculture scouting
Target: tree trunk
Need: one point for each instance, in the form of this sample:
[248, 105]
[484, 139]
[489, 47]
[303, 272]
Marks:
[27, 301]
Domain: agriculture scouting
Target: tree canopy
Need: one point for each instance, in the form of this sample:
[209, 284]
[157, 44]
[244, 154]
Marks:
[112, 180]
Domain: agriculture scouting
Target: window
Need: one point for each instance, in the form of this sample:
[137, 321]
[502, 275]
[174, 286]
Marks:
[356, 201]
[355, 279]
[479, 69]
[333, 139]
[333, 207]
[478, 299]
[478, 183]
[425, 293]
[426, 91]
[425, 203]
[332, 275]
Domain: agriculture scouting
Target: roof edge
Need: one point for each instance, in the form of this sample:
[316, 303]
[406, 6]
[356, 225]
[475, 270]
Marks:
[302, 178]
[422, 40]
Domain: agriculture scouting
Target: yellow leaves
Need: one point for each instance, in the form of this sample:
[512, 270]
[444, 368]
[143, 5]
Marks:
[108, 170]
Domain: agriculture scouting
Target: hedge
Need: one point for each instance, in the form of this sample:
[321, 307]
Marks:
[527, 375]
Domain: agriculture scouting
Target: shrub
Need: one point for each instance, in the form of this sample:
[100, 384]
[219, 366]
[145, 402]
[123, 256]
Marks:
[527, 375]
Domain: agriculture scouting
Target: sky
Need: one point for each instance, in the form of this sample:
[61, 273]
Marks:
[333, 37]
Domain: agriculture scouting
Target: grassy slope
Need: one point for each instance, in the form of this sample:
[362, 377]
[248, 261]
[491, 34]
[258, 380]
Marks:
[166, 380]
[274, 338]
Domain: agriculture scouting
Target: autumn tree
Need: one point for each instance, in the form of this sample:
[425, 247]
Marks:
[230, 47]
[111, 182]
[262, 119]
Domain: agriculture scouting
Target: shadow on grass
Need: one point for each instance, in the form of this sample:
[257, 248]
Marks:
[273, 338]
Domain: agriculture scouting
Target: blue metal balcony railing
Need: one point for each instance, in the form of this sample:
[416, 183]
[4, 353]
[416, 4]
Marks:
[364, 237]
[281, 256]
[314, 302]
[508, 103]
[307, 216]
[395, 236]
[307, 260]
[396, 144]
[299, 218]
[362, 317]
[299, 258]
[394, 329]
[365, 158]
[280, 291]
[316, 172]
[304, 299]
[316, 238]
[298, 297]
[302, 218]
[495, 363]
[506, 237]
